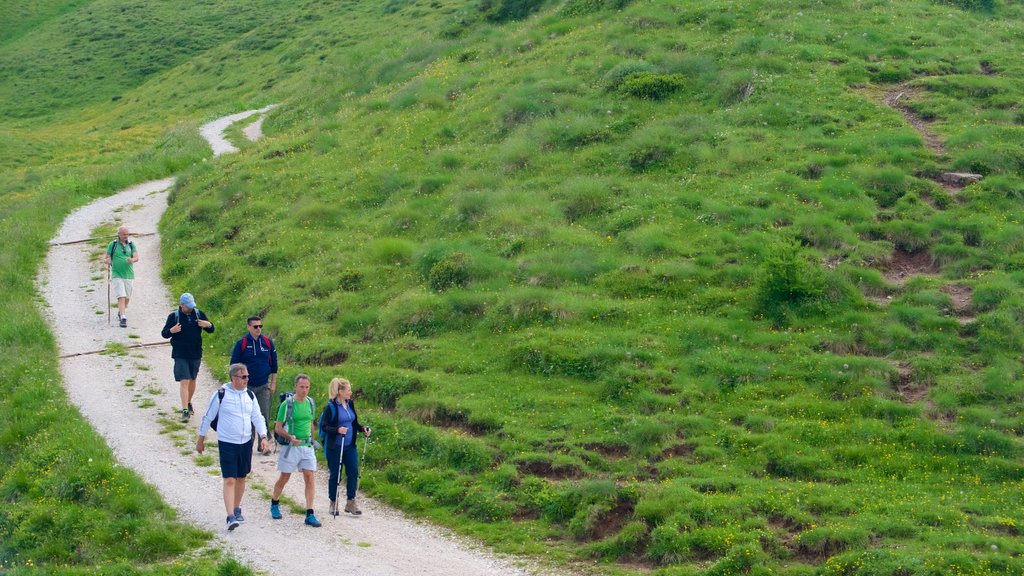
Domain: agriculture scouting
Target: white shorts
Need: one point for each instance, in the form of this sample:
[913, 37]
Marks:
[122, 287]
[292, 458]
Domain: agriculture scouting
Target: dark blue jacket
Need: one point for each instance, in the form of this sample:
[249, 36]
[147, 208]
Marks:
[330, 425]
[259, 356]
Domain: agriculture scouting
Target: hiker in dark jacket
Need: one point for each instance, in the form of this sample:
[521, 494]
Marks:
[259, 355]
[185, 327]
[340, 423]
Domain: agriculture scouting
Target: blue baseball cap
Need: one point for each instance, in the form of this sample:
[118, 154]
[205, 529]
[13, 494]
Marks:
[188, 300]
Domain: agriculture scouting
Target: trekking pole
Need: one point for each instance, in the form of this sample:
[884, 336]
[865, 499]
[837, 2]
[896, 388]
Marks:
[108, 295]
[362, 455]
[337, 476]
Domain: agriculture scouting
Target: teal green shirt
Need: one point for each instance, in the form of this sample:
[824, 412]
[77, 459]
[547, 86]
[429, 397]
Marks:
[302, 417]
[119, 253]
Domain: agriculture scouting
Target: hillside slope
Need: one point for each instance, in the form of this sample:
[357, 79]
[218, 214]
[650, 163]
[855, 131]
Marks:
[674, 286]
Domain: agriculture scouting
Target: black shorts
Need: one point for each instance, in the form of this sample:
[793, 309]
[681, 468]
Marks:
[235, 459]
[186, 368]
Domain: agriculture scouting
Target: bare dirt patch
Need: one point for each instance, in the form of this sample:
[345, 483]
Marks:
[613, 451]
[906, 386]
[961, 297]
[903, 265]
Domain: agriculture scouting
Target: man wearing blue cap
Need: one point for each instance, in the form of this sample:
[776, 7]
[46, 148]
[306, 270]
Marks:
[185, 327]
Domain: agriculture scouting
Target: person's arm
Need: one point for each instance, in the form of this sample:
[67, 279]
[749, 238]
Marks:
[135, 254]
[209, 329]
[204, 427]
[280, 431]
[166, 332]
[236, 352]
[106, 257]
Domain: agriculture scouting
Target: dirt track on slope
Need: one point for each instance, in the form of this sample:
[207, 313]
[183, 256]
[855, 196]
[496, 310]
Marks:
[126, 396]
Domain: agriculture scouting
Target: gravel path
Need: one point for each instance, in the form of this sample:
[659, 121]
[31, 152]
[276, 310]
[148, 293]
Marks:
[128, 398]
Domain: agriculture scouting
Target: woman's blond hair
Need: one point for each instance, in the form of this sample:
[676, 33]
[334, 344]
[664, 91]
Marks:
[336, 385]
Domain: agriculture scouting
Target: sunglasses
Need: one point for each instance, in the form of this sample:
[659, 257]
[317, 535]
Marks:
[257, 325]
[246, 377]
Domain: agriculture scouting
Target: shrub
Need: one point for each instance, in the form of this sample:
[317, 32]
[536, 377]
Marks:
[651, 86]
[499, 11]
[787, 281]
[350, 280]
[452, 271]
[584, 7]
[619, 73]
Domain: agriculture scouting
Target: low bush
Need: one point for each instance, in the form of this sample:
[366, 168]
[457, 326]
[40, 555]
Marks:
[499, 11]
[651, 86]
[787, 281]
[618, 74]
[452, 271]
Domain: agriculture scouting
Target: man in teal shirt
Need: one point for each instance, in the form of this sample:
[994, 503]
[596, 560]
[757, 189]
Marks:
[121, 257]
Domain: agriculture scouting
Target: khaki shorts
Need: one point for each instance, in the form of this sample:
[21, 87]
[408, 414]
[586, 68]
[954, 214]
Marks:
[294, 458]
[122, 287]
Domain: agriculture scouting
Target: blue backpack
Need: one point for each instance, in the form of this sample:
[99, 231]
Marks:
[324, 421]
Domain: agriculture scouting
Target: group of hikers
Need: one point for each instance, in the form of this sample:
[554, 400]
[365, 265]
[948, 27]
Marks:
[239, 410]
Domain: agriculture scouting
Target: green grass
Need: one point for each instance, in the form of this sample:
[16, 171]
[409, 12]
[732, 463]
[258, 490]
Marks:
[606, 275]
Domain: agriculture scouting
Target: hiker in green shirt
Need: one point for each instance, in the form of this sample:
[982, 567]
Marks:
[120, 258]
[295, 428]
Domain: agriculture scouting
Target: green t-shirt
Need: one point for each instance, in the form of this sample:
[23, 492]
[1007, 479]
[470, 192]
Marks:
[119, 253]
[302, 417]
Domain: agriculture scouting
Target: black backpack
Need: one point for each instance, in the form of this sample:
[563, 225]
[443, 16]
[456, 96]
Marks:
[220, 398]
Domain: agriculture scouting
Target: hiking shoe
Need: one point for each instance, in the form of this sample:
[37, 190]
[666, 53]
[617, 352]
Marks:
[124, 321]
[185, 415]
[312, 521]
[238, 515]
[232, 523]
[352, 508]
[275, 511]
[333, 509]
[191, 410]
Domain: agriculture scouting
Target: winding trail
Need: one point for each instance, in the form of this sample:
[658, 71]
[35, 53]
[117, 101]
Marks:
[129, 397]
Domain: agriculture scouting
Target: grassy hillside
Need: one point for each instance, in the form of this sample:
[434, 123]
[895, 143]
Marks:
[670, 286]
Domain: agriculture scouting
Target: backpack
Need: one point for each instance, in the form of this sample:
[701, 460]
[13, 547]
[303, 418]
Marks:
[115, 242]
[177, 317]
[266, 342]
[321, 433]
[220, 398]
[289, 398]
